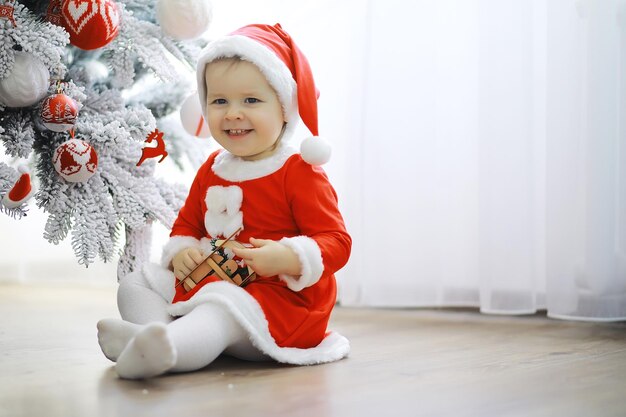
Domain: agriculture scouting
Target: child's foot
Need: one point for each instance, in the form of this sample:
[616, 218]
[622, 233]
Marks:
[149, 353]
[114, 335]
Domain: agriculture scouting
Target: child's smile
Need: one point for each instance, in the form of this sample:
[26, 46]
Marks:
[237, 133]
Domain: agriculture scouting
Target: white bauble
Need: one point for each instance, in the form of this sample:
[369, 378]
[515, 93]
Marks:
[184, 19]
[75, 160]
[96, 70]
[192, 119]
[27, 83]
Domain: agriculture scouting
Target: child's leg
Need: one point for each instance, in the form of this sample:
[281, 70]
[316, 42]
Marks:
[138, 303]
[187, 344]
[202, 335]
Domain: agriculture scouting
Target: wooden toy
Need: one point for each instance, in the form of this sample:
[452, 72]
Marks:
[221, 263]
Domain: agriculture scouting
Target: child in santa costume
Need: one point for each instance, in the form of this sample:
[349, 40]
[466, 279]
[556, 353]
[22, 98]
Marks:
[254, 85]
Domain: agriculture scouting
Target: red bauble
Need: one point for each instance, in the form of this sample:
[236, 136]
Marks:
[75, 160]
[91, 24]
[59, 112]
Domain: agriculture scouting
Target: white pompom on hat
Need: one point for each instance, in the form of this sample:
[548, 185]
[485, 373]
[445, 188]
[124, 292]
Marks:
[287, 70]
[21, 191]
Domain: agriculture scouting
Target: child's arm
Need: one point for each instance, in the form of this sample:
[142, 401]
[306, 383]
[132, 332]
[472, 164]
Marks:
[269, 258]
[323, 244]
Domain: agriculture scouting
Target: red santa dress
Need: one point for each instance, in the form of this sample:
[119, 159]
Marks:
[281, 198]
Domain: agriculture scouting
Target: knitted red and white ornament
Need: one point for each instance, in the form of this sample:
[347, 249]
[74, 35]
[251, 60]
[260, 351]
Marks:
[27, 83]
[287, 70]
[75, 160]
[184, 19]
[21, 191]
[59, 112]
[6, 12]
[53, 13]
[192, 119]
[91, 24]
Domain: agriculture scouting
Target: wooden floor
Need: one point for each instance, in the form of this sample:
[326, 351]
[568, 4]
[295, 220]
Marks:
[403, 363]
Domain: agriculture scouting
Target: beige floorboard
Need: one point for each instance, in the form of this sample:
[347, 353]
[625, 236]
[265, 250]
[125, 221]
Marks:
[403, 363]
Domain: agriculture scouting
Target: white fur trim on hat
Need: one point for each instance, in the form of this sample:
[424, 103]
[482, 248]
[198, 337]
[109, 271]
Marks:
[315, 150]
[310, 258]
[274, 70]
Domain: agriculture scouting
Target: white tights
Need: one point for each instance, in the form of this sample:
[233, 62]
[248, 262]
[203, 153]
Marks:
[148, 342]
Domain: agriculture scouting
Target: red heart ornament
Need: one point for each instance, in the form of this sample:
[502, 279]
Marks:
[91, 24]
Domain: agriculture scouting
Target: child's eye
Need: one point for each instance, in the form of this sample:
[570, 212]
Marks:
[251, 100]
[219, 101]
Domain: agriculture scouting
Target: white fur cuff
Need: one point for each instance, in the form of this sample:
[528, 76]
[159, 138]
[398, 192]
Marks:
[174, 245]
[310, 257]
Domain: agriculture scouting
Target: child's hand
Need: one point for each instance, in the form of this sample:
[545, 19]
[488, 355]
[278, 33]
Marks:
[269, 258]
[186, 261]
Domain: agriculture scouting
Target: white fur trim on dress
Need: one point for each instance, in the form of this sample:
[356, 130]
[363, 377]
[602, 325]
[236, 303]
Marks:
[310, 257]
[247, 311]
[160, 279]
[223, 216]
[274, 70]
[236, 169]
[174, 245]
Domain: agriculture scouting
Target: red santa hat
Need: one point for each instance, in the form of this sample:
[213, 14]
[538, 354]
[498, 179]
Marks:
[20, 192]
[287, 70]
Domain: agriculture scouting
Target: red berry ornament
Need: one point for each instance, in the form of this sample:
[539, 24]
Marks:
[75, 160]
[59, 112]
[91, 24]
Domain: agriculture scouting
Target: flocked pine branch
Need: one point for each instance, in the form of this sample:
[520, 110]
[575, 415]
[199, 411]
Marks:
[137, 40]
[119, 203]
[18, 133]
[42, 39]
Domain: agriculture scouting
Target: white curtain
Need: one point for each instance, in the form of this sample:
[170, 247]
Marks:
[488, 157]
[479, 147]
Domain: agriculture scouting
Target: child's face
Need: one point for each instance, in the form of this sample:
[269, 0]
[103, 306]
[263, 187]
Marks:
[244, 114]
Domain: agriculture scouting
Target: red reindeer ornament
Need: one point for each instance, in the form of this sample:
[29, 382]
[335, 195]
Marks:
[153, 152]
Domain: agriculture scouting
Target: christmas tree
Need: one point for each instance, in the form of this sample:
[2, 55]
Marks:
[71, 107]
